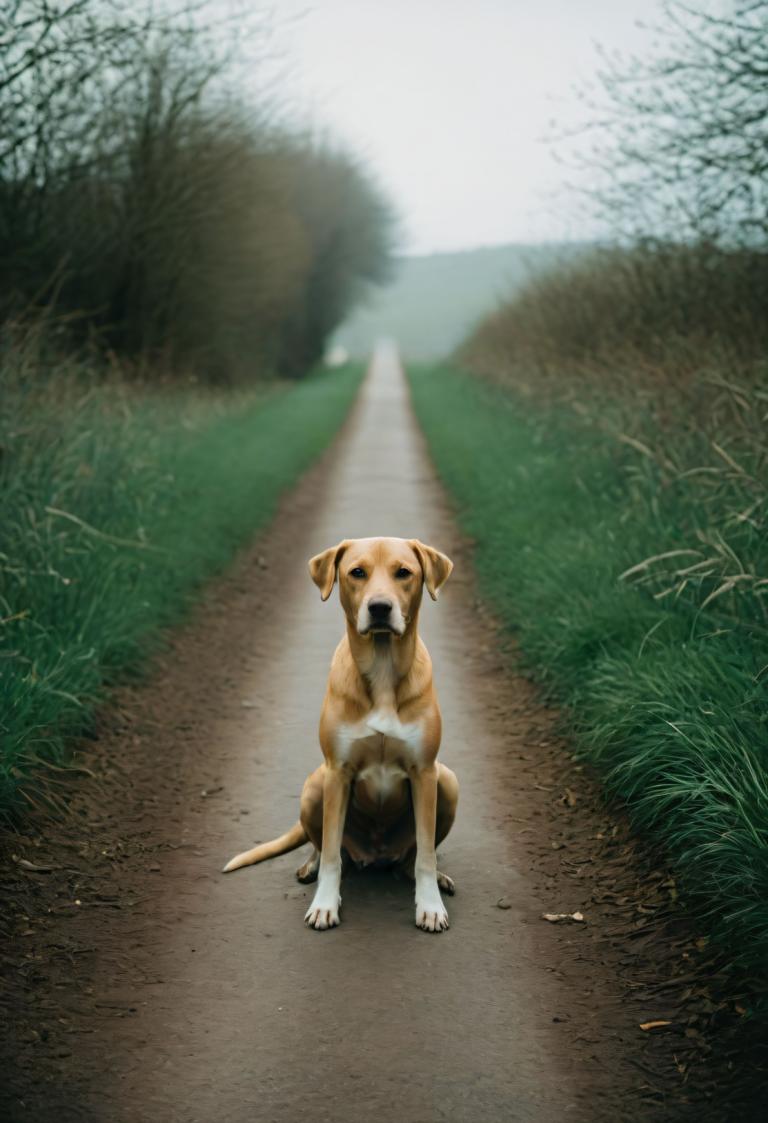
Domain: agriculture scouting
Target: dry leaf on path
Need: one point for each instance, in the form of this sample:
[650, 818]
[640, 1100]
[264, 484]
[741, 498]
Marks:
[556, 917]
[33, 867]
[654, 1025]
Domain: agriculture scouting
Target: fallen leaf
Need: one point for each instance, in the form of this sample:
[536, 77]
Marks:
[654, 1025]
[33, 867]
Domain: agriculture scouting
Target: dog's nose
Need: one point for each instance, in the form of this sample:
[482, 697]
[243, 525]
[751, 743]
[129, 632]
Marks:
[379, 609]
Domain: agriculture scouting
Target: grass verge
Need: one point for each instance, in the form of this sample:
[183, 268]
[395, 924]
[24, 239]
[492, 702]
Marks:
[665, 693]
[115, 504]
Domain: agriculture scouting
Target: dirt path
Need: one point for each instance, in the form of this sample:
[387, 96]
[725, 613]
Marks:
[151, 988]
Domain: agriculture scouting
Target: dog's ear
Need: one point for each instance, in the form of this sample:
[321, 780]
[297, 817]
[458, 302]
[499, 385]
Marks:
[324, 567]
[435, 566]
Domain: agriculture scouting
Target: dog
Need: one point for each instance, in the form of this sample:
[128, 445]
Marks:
[380, 797]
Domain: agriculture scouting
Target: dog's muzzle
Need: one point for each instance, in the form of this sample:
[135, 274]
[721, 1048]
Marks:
[382, 617]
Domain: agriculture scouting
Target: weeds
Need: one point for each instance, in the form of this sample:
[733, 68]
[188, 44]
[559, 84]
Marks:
[662, 353]
[633, 573]
[116, 502]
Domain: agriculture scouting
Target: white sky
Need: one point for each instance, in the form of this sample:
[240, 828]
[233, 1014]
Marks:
[451, 101]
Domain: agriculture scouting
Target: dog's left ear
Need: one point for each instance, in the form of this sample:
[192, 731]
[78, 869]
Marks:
[324, 567]
[435, 566]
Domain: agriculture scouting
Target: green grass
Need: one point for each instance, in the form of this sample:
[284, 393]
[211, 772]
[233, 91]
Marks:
[115, 504]
[665, 687]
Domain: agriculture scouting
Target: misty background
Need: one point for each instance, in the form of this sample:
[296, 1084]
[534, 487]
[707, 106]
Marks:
[463, 112]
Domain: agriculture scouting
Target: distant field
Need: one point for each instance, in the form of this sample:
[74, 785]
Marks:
[435, 301]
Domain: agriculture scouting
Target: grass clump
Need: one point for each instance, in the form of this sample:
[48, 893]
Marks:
[618, 572]
[116, 502]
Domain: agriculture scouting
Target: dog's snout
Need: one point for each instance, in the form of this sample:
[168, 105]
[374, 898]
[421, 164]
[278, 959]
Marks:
[379, 609]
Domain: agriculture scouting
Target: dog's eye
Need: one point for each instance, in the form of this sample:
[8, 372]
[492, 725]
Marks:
[402, 573]
[358, 571]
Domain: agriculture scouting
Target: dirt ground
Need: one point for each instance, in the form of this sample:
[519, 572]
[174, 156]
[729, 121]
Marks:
[142, 985]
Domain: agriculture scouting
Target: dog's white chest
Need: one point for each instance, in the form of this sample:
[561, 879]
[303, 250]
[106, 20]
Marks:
[380, 737]
[379, 752]
[380, 744]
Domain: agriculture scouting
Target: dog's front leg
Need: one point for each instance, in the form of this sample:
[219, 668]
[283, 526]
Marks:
[431, 913]
[324, 910]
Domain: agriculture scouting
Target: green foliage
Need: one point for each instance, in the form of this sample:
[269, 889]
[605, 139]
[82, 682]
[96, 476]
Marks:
[116, 502]
[665, 684]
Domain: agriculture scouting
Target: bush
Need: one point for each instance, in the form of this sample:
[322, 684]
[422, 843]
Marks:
[654, 316]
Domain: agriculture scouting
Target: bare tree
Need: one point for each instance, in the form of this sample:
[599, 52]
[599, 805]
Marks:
[138, 190]
[684, 135]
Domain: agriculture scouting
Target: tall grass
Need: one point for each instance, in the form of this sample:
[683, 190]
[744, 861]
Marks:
[116, 502]
[664, 350]
[617, 445]
[665, 682]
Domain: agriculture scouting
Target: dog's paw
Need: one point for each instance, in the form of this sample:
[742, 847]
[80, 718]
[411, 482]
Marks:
[446, 883]
[320, 915]
[307, 873]
[431, 919]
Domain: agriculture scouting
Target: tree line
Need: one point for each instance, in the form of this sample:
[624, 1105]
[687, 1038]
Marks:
[153, 210]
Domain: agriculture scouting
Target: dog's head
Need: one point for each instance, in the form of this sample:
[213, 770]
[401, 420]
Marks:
[380, 580]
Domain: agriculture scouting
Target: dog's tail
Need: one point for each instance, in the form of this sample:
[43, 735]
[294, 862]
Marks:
[291, 840]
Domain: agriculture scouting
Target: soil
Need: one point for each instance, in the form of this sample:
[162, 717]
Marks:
[142, 984]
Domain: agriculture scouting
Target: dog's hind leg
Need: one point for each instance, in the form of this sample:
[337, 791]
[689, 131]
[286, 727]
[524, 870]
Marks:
[312, 821]
[308, 872]
[446, 883]
[406, 868]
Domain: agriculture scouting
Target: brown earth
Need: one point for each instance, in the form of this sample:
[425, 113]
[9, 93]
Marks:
[141, 984]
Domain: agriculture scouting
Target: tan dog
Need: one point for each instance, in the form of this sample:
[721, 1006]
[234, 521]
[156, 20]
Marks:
[380, 796]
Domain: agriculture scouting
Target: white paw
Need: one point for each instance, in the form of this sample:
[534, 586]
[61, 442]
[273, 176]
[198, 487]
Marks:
[431, 914]
[323, 914]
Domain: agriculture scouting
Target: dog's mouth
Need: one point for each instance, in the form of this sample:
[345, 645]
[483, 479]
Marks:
[380, 628]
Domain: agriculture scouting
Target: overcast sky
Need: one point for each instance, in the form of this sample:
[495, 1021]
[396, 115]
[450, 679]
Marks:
[450, 102]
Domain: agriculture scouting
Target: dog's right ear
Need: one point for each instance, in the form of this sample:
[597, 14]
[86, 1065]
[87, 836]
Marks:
[324, 567]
